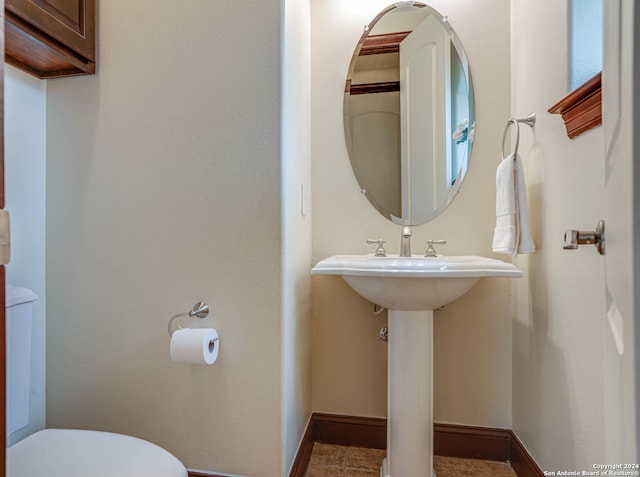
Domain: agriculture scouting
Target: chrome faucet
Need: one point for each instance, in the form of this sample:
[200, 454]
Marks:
[405, 243]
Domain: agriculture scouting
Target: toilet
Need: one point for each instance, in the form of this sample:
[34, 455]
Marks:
[66, 452]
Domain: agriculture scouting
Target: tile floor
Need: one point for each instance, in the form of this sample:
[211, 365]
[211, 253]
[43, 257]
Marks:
[337, 461]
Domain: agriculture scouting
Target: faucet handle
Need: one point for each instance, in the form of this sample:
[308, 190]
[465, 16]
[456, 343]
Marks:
[380, 251]
[431, 252]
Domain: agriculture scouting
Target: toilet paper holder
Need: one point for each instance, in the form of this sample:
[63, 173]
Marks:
[199, 310]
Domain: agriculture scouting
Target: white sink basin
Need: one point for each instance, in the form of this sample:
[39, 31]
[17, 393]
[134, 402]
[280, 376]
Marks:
[413, 283]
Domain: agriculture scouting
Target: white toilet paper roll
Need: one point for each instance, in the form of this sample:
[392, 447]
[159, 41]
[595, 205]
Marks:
[195, 346]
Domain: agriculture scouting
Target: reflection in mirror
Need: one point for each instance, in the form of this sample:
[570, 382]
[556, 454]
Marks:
[409, 113]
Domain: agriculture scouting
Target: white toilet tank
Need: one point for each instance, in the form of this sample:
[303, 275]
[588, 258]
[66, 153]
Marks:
[18, 327]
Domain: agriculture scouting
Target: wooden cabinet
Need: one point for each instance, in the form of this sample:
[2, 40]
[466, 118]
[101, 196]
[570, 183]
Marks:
[51, 38]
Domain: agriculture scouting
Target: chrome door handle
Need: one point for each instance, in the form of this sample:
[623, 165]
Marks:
[574, 238]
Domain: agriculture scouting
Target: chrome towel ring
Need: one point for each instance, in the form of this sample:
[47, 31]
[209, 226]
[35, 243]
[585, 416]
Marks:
[529, 121]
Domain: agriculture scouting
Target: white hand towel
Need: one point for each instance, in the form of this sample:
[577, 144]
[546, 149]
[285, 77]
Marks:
[512, 235]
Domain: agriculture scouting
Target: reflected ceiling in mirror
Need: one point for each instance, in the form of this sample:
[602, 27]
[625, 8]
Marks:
[409, 113]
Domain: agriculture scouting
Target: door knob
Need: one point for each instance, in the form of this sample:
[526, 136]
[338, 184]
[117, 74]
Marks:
[574, 238]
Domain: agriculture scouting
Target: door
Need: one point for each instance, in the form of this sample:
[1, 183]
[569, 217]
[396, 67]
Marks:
[424, 79]
[3, 347]
[621, 116]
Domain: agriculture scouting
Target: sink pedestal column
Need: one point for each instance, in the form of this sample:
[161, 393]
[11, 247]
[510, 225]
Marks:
[410, 395]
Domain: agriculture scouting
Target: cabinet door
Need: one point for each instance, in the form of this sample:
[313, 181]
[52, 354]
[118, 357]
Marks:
[72, 22]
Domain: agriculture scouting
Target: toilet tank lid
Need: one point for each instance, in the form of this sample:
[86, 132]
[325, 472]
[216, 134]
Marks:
[18, 296]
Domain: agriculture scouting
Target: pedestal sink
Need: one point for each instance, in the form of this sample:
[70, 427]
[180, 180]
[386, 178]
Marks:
[411, 288]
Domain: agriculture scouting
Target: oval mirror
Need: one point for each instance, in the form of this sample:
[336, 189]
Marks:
[409, 113]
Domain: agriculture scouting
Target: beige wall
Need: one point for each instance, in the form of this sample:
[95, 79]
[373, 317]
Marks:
[473, 335]
[558, 333]
[296, 228]
[164, 188]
